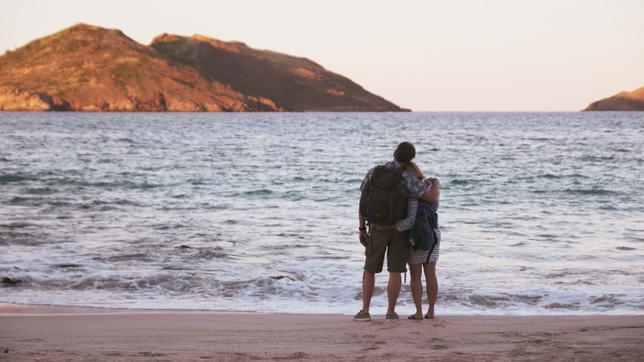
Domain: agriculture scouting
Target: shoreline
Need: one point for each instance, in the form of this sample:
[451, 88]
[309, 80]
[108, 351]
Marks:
[10, 308]
[30, 332]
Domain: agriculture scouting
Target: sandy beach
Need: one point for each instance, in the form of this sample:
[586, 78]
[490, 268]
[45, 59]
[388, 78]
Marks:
[48, 333]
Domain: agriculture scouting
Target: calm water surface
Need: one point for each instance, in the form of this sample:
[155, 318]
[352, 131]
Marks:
[542, 213]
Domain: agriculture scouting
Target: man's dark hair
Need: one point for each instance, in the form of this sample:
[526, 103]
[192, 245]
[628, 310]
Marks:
[405, 152]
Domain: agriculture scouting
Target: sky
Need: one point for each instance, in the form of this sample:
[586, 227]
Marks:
[456, 55]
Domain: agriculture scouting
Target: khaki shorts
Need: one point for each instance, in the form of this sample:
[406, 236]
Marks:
[391, 242]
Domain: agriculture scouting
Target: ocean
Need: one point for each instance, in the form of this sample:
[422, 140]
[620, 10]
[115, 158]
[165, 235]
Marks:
[541, 213]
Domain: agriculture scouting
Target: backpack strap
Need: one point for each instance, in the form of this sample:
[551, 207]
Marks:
[391, 205]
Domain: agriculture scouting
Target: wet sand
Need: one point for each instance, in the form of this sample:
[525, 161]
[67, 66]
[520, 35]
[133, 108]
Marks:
[48, 333]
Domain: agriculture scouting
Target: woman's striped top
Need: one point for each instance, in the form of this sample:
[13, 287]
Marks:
[408, 222]
[412, 207]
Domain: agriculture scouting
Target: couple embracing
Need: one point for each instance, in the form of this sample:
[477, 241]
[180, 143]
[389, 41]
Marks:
[398, 218]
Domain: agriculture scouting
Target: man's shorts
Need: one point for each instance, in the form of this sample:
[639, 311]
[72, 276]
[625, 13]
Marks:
[391, 242]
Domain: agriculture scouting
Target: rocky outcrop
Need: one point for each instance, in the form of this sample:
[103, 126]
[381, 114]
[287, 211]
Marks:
[12, 99]
[623, 101]
[88, 68]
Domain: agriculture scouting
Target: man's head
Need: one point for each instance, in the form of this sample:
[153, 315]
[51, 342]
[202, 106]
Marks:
[405, 152]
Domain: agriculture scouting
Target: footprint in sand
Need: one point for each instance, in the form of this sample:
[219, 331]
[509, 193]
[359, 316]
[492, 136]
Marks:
[373, 347]
[150, 354]
[297, 355]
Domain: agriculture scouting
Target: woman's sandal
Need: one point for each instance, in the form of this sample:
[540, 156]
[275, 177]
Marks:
[413, 317]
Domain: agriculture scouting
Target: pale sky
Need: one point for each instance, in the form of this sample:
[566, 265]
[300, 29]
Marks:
[448, 55]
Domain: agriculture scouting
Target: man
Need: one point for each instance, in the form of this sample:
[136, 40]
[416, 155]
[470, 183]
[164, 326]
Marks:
[383, 237]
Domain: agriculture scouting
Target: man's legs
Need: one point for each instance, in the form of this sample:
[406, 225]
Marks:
[393, 290]
[375, 254]
[368, 282]
[397, 253]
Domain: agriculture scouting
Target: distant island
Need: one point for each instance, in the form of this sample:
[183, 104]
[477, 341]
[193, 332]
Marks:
[623, 101]
[89, 68]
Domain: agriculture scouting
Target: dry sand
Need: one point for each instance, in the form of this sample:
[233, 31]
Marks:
[43, 333]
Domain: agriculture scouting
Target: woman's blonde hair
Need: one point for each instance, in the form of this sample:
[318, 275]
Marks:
[413, 168]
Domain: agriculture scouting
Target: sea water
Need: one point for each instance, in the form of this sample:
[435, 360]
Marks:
[541, 213]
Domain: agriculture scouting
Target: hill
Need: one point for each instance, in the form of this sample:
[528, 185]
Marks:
[623, 101]
[89, 68]
[291, 82]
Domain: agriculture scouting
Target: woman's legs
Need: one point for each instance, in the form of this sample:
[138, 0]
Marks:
[416, 284]
[432, 286]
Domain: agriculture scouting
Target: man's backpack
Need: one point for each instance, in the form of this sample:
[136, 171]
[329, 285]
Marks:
[383, 198]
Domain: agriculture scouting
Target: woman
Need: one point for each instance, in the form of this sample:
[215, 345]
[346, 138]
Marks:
[421, 260]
